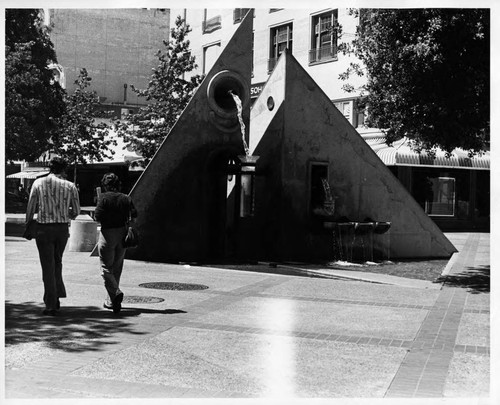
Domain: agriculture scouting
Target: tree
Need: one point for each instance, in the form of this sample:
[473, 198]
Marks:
[167, 94]
[81, 138]
[427, 75]
[33, 100]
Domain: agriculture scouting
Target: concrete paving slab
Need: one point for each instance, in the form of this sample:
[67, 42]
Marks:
[467, 377]
[474, 329]
[321, 317]
[276, 366]
[357, 291]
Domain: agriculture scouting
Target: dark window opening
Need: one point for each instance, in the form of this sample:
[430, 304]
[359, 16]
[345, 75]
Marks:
[321, 197]
[239, 14]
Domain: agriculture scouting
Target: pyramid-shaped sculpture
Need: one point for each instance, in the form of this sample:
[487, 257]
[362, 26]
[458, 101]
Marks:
[294, 128]
[190, 197]
[180, 194]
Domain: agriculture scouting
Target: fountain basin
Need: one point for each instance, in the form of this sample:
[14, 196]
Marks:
[362, 228]
[381, 227]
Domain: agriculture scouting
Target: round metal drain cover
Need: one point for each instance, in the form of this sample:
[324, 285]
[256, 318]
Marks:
[135, 299]
[174, 286]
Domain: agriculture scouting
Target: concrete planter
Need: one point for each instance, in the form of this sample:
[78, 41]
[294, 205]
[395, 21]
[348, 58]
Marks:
[82, 236]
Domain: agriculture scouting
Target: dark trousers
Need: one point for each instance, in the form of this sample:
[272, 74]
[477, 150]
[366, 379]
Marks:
[51, 241]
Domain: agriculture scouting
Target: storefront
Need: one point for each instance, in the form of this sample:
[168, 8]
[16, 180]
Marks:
[454, 191]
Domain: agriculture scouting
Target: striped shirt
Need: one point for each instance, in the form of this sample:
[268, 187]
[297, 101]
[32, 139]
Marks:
[51, 197]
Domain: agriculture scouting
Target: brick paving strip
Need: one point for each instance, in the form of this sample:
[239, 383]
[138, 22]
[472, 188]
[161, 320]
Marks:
[424, 370]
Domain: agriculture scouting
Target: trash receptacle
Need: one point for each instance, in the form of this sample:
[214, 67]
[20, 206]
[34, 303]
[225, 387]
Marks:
[82, 235]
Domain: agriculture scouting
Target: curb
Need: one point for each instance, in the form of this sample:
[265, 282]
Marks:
[450, 264]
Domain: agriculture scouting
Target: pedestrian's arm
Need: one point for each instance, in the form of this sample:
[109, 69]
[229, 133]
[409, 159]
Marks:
[75, 204]
[99, 209]
[32, 204]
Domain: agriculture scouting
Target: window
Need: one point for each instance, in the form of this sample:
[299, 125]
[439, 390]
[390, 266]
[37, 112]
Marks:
[440, 196]
[239, 14]
[211, 24]
[324, 37]
[345, 107]
[360, 111]
[210, 54]
[353, 110]
[281, 39]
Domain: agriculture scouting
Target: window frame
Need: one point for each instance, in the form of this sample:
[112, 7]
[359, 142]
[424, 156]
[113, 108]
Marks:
[442, 180]
[204, 50]
[212, 24]
[316, 51]
[239, 14]
[274, 43]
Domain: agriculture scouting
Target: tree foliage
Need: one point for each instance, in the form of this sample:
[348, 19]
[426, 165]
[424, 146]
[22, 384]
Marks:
[33, 101]
[167, 94]
[81, 139]
[427, 75]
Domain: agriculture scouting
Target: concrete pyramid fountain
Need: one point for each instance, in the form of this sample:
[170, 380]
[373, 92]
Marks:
[190, 199]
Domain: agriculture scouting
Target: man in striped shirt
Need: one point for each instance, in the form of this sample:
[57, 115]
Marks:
[56, 202]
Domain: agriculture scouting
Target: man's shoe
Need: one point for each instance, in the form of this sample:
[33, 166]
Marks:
[107, 306]
[117, 303]
[51, 312]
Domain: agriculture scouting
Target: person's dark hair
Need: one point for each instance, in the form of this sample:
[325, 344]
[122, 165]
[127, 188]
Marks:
[110, 181]
[57, 165]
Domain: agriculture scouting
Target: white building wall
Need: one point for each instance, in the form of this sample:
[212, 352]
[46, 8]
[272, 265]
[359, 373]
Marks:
[326, 74]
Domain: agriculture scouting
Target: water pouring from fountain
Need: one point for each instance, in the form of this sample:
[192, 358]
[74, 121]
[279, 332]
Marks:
[239, 109]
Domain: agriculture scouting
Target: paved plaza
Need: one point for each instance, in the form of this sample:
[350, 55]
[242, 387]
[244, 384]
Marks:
[239, 334]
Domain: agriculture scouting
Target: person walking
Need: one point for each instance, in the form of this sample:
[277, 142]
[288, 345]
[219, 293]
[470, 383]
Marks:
[56, 202]
[114, 210]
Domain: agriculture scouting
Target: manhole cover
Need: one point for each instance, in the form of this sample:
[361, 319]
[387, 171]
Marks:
[174, 286]
[135, 299]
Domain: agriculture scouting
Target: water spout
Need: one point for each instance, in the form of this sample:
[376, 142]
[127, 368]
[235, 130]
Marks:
[239, 109]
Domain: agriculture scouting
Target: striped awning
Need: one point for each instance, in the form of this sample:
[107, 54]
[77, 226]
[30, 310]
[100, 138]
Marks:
[29, 174]
[401, 154]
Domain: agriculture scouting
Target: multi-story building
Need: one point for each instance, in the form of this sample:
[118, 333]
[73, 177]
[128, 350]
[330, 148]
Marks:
[454, 192]
[116, 46]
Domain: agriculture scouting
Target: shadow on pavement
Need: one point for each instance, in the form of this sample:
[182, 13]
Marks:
[476, 279]
[137, 311]
[74, 329]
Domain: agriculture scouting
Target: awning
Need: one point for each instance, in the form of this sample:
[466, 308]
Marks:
[401, 154]
[28, 174]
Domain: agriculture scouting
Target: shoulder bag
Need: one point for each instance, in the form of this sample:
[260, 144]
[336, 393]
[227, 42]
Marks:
[131, 238]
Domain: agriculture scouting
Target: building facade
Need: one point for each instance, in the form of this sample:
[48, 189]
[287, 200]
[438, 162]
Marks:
[454, 192]
[117, 47]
